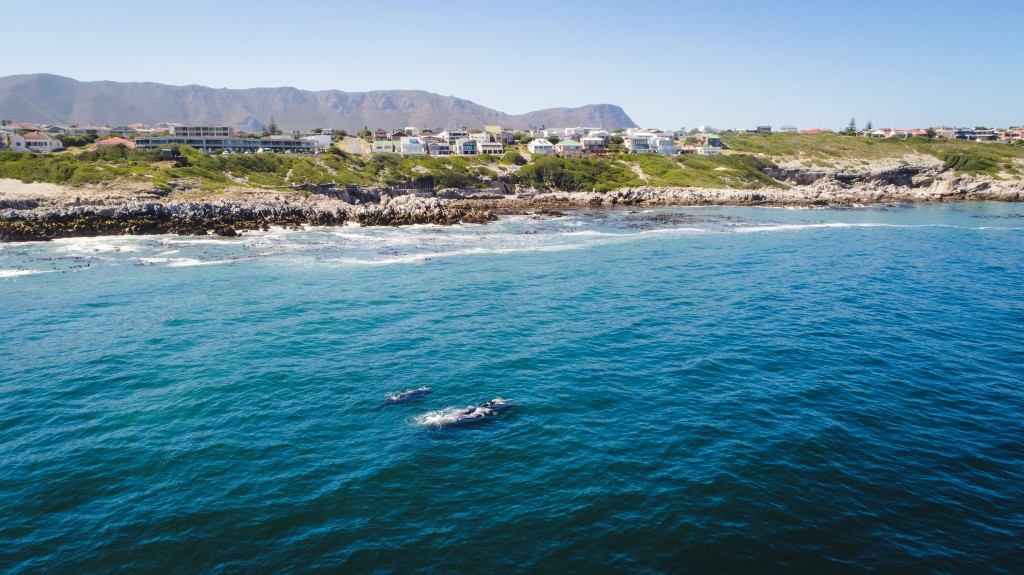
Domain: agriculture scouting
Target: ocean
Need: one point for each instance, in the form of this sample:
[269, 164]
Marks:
[699, 390]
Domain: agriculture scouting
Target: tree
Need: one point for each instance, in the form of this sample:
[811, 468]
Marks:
[272, 128]
[868, 126]
[851, 128]
[554, 139]
[513, 157]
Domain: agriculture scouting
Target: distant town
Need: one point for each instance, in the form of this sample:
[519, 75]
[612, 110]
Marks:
[453, 141]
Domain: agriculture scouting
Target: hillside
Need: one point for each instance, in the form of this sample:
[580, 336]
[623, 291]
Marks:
[50, 99]
[855, 154]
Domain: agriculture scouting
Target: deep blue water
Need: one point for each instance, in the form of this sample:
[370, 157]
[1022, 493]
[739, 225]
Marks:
[692, 390]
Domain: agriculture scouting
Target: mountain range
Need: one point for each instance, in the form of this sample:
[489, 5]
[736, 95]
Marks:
[50, 99]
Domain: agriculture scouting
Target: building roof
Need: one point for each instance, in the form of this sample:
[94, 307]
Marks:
[39, 136]
[570, 143]
[113, 142]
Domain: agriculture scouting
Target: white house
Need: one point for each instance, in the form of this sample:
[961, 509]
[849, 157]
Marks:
[320, 140]
[384, 147]
[411, 146]
[452, 134]
[465, 147]
[490, 148]
[540, 146]
[639, 143]
[665, 145]
[34, 142]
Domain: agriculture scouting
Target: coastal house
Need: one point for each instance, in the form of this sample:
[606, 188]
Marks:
[984, 135]
[410, 146]
[569, 147]
[202, 131]
[453, 134]
[665, 144]
[281, 144]
[709, 140]
[639, 143]
[380, 135]
[397, 135]
[481, 137]
[763, 130]
[816, 131]
[34, 142]
[593, 144]
[439, 148]
[384, 147]
[115, 141]
[952, 133]
[465, 147]
[122, 131]
[97, 131]
[320, 140]
[788, 129]
[708, 151]
[540, 146]
[505, 137]
[25, 127]
[490, 148]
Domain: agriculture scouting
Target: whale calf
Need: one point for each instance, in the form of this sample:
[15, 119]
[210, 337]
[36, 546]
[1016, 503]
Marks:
[407, 395]
[456, 416]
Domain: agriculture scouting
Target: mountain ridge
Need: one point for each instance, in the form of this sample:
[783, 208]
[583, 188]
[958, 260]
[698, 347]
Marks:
[52, 99]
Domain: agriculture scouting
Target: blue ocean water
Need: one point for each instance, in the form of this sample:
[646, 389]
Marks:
[690, 390]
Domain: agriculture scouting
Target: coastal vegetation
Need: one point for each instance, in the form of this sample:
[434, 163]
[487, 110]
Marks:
[829, 150]
[191, 168]
[743, 166]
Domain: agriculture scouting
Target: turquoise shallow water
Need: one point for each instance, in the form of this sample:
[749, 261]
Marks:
[691, 390]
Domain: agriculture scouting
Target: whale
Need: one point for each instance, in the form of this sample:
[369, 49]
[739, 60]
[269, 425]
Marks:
[407, 395]
[457, 416]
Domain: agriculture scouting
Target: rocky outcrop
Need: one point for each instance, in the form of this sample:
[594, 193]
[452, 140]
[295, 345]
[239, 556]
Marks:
[69, 212]
[227, 218]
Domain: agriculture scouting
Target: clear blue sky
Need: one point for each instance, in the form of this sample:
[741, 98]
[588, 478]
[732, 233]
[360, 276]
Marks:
[672, 63]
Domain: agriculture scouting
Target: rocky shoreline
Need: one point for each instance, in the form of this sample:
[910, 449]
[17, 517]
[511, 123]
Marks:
[32, 212]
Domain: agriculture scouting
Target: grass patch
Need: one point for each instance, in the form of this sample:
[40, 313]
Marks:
[824, 149]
